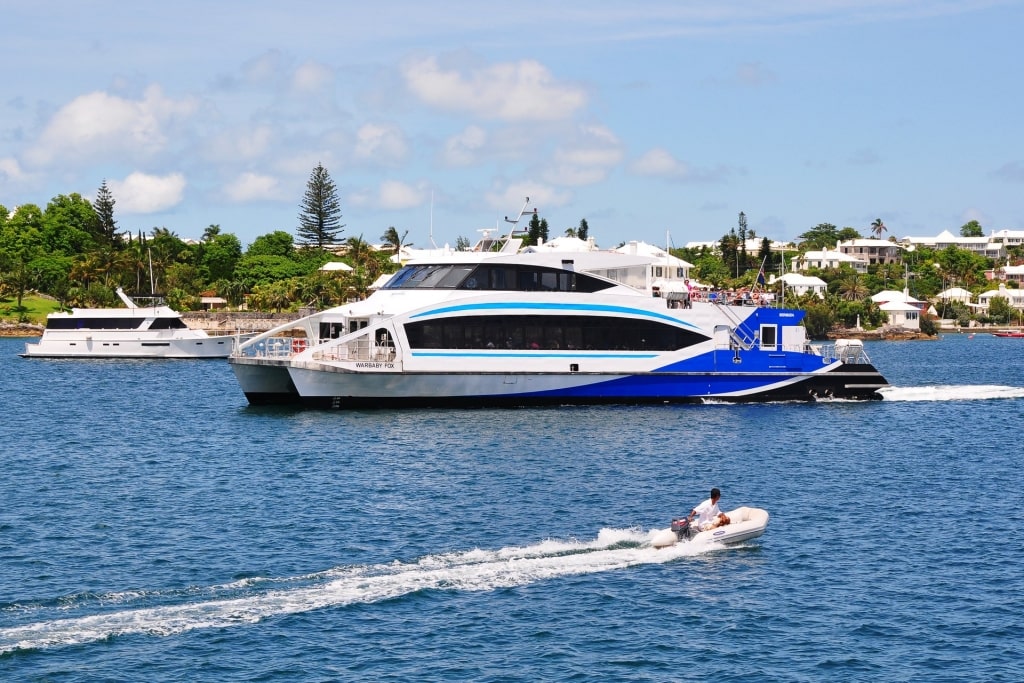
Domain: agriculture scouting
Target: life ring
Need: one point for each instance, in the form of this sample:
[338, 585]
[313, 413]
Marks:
[298, 345]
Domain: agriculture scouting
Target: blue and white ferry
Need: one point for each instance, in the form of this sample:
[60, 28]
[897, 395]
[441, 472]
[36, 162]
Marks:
[505, 328]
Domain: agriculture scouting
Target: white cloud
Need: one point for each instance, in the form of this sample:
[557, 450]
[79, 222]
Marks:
[10, 169]
[398, 195]
[143, 193]
[463, 149]
[244, 145]
[311, 77]
[587, 158]
[659, 162]
[101, 124]
[380, 143]
[252, 186]
[754, 74]
[512, 91]
[265, 69]
[542, 197]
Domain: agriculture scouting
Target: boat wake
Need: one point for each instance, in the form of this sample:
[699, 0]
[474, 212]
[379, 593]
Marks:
[251, 600]
[977, 392]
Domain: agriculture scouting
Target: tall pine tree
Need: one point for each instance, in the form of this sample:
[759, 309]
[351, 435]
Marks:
[106, 230]
[584, 230]
[320, 215]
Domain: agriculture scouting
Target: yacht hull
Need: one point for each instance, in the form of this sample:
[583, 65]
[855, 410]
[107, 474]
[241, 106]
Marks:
[111, 346]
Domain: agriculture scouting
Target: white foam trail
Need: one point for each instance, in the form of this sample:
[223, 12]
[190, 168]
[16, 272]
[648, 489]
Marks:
[473, 570]
[975, 392]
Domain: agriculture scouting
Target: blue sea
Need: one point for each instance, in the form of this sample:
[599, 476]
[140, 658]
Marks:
[154, 527]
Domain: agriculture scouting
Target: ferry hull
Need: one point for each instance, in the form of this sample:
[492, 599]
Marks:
[265, 381]
[349, 390]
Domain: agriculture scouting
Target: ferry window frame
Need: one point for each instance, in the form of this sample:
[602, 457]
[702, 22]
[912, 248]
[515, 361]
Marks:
[549, 332]
[496, 277]
[769, 336]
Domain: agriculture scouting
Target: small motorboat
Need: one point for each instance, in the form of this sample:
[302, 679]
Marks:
[1009, 333]
[744, 524]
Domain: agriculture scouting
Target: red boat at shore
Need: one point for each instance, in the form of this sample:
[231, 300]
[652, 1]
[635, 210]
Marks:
[1008, 333]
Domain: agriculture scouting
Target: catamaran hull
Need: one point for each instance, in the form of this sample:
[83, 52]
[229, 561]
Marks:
[319, 386]
[265, 381]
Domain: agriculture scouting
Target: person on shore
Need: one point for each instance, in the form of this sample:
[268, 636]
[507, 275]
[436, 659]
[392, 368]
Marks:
[707, 513]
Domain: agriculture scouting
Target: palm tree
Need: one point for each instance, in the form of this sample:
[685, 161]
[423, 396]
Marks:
[392, 239]
[852, 288]
[877, 228]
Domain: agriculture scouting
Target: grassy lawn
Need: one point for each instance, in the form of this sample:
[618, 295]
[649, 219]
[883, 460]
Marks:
[35, 309]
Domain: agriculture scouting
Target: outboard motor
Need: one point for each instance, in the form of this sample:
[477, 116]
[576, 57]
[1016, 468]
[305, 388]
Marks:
[681, 528]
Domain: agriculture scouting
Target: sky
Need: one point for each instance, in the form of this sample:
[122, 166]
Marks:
[653, 120]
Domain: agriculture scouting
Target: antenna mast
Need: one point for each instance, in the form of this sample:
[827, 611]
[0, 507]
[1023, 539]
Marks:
[523, 211]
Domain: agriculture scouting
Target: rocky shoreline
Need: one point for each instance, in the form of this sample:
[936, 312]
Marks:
[20, 330]
[881, 334]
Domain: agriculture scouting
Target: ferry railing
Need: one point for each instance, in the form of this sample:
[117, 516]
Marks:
[842, 350]
[740, 335]
[273, 347]
[363, 350]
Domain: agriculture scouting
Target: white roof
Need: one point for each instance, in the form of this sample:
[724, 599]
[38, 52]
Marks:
[867, 242]
[334, 266]
[645, 249]
[893, 295]
[564, 243]
[381, 280]
[798, 280]
[830, 255]
[955, 293]
[897, 306]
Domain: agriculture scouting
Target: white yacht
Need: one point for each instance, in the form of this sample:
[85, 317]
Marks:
[155, 331]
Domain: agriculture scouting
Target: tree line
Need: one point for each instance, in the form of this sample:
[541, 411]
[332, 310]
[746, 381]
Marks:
[72, 250]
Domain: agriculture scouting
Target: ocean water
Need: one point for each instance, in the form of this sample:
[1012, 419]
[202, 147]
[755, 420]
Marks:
[153, 527]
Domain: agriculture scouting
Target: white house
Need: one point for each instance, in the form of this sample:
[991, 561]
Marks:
[1008, 237]
[1014, 296]
[984, 246]
[955, 294]
[1010, 273]
[801, 284]
[871, 250]
[902, 314]
[666, 267]
[829, 258]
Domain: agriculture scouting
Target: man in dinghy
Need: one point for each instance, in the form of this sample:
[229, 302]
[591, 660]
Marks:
[707, 513]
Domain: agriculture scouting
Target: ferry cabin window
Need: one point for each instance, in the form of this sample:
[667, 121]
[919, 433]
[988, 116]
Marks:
[495, 277]
[769, 337]
[536, 332]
